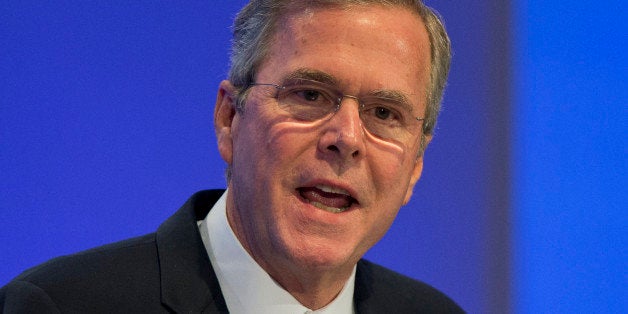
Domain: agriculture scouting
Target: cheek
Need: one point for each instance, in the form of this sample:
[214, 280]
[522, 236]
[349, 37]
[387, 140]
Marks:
[288, 141]
[250, 156]
[269, 151]
[391, 171]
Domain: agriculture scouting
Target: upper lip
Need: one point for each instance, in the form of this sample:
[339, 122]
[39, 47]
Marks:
[331, 189]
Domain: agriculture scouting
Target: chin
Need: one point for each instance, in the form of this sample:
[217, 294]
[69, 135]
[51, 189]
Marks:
[317, 254]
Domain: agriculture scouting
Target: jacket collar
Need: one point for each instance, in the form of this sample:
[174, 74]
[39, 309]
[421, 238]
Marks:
[188, 281]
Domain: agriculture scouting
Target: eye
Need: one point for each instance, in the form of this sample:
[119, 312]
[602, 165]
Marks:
[377, 115]
[306, 102]
[382, 113]
[308, 94]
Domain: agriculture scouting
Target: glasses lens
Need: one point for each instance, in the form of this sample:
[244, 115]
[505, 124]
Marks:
[388, 119]
[307, 100]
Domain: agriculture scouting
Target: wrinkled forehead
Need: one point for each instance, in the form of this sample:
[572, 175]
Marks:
[309, 9]
[360, 15]
[386, 39]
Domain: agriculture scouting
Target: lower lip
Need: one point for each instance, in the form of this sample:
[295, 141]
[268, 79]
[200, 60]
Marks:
[331, 211]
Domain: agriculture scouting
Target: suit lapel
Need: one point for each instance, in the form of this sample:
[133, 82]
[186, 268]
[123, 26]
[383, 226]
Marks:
[362, 292]
[188, 281]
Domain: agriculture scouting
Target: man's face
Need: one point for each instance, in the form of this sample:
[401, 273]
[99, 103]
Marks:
[317, 195]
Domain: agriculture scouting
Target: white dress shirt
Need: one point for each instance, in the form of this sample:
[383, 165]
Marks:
[246, 287]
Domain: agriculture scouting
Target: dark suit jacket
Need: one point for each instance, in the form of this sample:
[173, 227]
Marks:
[169, 271]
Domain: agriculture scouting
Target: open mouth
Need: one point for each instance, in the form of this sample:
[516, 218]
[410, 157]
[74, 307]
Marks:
[327, 198]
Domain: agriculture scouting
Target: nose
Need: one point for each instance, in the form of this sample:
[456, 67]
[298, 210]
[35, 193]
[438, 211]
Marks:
[343, 134]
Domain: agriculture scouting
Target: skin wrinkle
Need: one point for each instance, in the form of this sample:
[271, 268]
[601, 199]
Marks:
[320, 76]
[375, 28]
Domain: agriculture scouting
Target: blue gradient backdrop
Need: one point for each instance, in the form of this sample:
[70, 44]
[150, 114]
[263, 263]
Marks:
[570, 157]
[105, 130]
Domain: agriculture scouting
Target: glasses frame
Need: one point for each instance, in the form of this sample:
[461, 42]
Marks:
[338, 102]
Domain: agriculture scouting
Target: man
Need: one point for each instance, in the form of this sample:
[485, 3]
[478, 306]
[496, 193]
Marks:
[323, 123]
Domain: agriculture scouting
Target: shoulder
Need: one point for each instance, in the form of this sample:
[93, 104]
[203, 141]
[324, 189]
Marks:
[129, 275]
[381, 290]
[114, 258]
[90, 279]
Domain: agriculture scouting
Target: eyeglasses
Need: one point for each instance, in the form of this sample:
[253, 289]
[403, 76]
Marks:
[389, 118]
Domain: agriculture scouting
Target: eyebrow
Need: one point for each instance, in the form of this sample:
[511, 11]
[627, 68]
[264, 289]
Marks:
[397, 96]
[311, 74]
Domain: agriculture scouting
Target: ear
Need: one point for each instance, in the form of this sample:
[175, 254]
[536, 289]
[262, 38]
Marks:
[223, 119]
[416, 172]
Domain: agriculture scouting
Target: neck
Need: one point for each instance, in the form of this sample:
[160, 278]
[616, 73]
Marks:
[313, 288]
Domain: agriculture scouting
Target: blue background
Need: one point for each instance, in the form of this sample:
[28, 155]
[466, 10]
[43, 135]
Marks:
[570, 155]
[105, 130]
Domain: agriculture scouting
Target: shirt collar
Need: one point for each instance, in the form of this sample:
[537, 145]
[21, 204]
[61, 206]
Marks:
[246, 287]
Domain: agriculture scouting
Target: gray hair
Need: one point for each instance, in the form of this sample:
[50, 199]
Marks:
[255, 26]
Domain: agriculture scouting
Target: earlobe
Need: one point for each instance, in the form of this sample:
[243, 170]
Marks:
[224, 114]
[416, 175]
[416, 172]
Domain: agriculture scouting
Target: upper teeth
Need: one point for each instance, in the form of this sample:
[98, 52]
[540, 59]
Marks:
[330, 189]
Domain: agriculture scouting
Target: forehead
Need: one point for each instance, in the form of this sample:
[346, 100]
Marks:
[366, 46]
